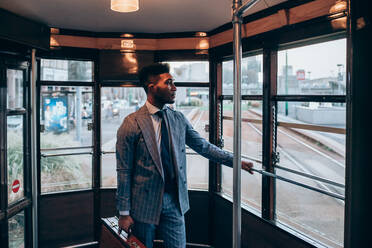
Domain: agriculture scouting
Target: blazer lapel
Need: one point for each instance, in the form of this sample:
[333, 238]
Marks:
[145, 123]
[172, 125]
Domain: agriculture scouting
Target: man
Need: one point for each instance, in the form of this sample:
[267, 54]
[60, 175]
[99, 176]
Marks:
[151, 163]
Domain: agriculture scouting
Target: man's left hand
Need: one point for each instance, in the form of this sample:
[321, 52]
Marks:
[247, 166]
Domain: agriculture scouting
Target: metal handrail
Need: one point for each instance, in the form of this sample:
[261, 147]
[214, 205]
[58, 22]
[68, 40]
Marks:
[66, 148]
[320, 179]
[243, 8]
[265, 173]
[65, 154]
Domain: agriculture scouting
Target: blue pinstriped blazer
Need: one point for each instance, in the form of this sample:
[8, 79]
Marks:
[139, 169]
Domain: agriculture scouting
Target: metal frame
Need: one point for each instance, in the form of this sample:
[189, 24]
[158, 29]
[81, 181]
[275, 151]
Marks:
[7, 211]
[270, 123]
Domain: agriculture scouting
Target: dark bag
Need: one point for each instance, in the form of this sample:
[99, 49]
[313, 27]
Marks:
[110, 237]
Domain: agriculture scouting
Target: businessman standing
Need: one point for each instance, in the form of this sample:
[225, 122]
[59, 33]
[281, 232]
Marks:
[151, 163]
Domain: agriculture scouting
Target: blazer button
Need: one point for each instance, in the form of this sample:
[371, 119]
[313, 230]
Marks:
[184, 182]
[181, 167]
[183, 150]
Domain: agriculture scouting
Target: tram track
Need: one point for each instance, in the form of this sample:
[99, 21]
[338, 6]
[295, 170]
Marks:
[300, 165]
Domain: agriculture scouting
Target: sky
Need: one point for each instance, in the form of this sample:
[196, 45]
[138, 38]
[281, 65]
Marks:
[320, 59]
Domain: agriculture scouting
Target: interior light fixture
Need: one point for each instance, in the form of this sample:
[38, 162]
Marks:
[124, 5]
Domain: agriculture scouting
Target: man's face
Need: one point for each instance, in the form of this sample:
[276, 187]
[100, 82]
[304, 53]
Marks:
[163, 88]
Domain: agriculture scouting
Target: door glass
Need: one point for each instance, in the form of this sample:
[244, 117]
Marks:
[14, 88]
[16, 227]
[62, 172]
[116, 104]
[15, 157]
[64, 114]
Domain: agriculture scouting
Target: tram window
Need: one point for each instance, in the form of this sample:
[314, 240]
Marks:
[15, 158]
[66, 70]
[65, 114]
[251, 149]
[251, 76]
[317, 69]
[116, 104]
[14, 88]
[190, 71]
[194, 104]
[62, 172]
[311, 140]
[16, 228]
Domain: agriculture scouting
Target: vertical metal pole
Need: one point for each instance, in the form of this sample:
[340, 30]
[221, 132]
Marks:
[237, 21]
[34, 151]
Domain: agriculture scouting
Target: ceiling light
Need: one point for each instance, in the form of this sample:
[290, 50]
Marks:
[124, 5]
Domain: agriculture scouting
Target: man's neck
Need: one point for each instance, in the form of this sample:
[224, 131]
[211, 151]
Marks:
[154, 102]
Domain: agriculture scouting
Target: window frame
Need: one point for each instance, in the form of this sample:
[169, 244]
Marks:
[270, 99]
[23, 204]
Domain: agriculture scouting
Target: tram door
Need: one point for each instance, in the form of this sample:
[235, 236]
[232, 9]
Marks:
[66, 146]
[15, 160]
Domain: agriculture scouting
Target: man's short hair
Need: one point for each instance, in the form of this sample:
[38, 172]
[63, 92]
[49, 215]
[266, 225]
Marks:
[151, 71]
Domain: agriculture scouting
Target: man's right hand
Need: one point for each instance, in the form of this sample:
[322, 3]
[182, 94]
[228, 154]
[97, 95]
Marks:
[125, 222]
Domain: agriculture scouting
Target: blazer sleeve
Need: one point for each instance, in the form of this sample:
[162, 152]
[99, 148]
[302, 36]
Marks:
[125, 150]
[205, 148]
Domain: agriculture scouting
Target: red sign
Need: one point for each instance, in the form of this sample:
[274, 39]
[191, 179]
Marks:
[15, 186]
[300, 75]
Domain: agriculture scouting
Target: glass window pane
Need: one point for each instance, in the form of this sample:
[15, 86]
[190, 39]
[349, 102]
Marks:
[16, 227]
[66, 70]
[62, 173]
[318, 152]
[196, 71]
[108, 171]
[116, 104]
[251, 149]
[314, 214]
[15, 158]
[65, 113]
[194, 104]
[251, 76]
[317, 69]
[315, 146]
[14, 88]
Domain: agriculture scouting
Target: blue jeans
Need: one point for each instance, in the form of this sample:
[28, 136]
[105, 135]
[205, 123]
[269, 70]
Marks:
[171, 227]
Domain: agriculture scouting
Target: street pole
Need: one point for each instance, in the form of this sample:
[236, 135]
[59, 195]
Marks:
[286, 81]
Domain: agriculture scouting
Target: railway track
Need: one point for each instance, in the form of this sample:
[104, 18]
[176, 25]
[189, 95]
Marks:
[303, 166]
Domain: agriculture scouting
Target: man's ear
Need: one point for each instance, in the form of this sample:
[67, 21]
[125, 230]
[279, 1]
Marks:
[150, 86]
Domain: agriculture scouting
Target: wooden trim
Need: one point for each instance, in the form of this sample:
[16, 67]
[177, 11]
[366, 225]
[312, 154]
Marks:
[287, 17]
[194, 43]
[282, 18]
[313, 127]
